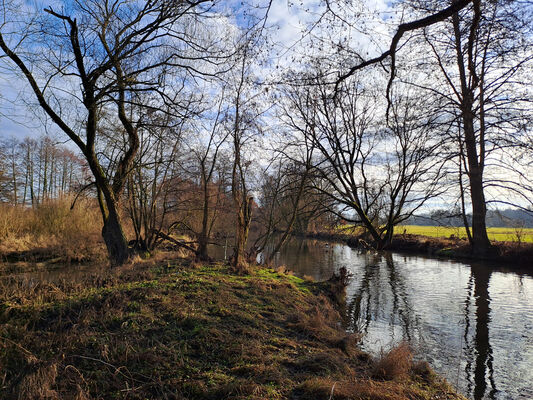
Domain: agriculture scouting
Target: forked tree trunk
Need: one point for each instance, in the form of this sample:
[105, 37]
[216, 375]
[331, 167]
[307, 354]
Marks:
[480, 240]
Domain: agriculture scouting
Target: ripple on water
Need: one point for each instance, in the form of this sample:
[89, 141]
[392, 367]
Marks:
[472, 323]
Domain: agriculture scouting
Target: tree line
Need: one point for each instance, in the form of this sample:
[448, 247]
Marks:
[35, 170]
[179, 125]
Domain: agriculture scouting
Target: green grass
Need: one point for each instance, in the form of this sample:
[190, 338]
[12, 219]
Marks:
[495, 234]
[177, 331]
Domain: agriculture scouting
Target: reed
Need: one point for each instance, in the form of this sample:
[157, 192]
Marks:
[51, 229]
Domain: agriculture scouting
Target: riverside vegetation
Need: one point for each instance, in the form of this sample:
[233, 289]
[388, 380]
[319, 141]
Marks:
[170, 328]
[511, 247]
[53, 232]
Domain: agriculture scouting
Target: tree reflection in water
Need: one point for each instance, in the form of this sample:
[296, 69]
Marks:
[479, 353]
[382, 294]
[372, 300]
[471, 322]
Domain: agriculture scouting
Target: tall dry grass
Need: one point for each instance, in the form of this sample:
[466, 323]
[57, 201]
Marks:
[52, 229]
[395, 363]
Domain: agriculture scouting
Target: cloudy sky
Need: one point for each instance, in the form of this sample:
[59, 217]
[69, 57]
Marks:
[292, 28]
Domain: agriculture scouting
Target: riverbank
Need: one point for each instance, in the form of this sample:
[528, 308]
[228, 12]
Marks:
[512, 255]
[176, 330]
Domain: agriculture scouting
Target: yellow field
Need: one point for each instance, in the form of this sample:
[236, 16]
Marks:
[496, 234]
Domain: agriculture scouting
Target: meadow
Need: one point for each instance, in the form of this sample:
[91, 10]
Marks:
[500, 234]
[174, 329]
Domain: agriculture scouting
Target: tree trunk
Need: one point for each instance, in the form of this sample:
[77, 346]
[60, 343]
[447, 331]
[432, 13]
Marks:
[114, 238]
[371, 229]
[201, 252]
[480, 240]
[239, 258]
[244, 216]
[112, 232]
[386, 240]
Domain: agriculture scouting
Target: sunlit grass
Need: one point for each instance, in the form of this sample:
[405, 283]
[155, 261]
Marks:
[178, 329]
[496, 234]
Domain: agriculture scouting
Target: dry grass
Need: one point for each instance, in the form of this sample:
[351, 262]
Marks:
[51, 230]
[394, 364]
[170, 331]
[38, 383]
[367, 389]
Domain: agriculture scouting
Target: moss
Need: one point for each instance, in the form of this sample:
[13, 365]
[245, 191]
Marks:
[175, 332]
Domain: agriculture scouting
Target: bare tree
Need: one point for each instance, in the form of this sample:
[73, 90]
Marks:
[433, 18]
[285, 196]
[38, 170]
[377, 175]
[243, 125]
[482, 56]
[151, 183]
[104, 53]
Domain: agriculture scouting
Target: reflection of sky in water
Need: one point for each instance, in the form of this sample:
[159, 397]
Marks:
[473, 326]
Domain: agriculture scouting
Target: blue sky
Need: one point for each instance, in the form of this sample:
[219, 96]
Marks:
[288, 22]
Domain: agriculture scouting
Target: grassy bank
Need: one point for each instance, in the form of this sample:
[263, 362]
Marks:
[192, 332]
[510, 254]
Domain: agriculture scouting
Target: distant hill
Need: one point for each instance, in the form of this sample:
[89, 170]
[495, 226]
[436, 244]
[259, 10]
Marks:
[495, 218]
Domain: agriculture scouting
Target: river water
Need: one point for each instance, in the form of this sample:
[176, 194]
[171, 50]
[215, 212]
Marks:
[473, 323]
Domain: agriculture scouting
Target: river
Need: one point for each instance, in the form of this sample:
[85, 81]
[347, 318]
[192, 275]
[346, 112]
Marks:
[472, 322]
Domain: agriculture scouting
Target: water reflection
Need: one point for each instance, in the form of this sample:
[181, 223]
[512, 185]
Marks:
[472, 323]
[369, 301]
[483, 363]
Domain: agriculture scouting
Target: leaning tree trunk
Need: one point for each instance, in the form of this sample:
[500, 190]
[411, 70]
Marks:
[386, 240]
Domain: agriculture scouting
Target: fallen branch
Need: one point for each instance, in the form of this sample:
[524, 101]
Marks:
[174, 241]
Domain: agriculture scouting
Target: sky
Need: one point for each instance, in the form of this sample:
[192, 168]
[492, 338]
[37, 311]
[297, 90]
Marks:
[15, 120]
[287, 26]
[292, 29]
